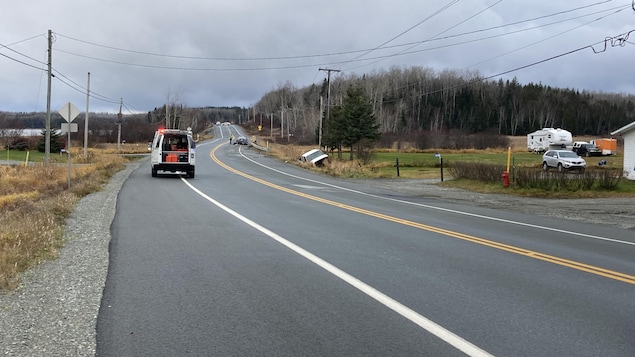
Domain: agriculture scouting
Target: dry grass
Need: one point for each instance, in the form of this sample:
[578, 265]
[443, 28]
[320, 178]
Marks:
[34, 203]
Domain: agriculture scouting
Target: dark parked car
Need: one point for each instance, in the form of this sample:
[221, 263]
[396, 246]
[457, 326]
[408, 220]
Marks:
[241, 140]
[586, 150]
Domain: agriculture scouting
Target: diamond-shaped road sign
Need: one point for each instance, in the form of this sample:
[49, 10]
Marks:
[69, 112]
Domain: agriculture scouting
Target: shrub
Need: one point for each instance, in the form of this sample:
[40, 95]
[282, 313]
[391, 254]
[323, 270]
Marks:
[537, 179]
[608, 178]
[476, 171]
[532, 178]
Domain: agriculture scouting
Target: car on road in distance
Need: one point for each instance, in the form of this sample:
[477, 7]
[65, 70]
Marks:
[241, 140]
[562, 160]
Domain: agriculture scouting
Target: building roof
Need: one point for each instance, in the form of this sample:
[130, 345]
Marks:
[624, 129]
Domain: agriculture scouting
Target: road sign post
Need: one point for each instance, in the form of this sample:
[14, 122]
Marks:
[69, 112]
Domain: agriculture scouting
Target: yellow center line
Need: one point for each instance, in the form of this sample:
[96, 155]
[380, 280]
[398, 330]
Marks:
[626, 278]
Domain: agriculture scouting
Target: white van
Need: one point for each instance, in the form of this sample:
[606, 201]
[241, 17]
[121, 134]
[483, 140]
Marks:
[173, 150]
[315, 157]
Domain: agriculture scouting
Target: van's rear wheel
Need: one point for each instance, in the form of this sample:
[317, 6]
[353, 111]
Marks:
[190, 173]
[154, 172]
[545, 167]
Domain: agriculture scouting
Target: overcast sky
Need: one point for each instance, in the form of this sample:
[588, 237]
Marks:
[231, 52]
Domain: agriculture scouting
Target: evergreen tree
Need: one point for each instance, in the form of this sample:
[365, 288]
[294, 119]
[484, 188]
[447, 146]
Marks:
[356, 121]
[332, 134]
[56, 142]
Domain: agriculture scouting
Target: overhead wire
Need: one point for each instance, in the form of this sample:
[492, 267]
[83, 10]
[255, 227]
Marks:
[73, 85]
[8, 47]
[82, 89]
[435, 36]
[444, 8]
[613, 41]
[284, 67]
[22, 62]
[549, 38]
[317, 55]
[358, 58]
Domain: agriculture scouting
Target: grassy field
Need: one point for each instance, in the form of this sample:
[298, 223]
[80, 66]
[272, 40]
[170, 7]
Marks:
[35, 156]
[35, 200]
[425, 165]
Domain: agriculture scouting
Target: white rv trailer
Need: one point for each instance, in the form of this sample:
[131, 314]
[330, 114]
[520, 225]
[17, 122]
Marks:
[548, 138]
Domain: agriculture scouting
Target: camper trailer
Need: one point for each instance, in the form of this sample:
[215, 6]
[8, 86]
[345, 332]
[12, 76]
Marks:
[548, 139]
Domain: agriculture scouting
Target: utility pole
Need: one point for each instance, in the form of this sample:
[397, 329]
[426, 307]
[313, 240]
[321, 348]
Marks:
[47, 135]
[167, 116]
[86, 119]
[328, 93]
[119, 117]
[320, 128]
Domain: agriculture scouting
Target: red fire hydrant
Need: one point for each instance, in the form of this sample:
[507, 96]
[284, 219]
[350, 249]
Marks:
[505, 179]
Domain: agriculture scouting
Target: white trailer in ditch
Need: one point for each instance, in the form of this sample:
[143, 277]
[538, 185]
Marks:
[548, 139]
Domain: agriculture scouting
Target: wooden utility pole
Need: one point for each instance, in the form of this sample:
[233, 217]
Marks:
[328, 93]
[86, 119]
[47, 135]
[119, 117]
[320, 128]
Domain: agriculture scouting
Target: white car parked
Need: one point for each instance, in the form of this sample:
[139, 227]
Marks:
[562, 160]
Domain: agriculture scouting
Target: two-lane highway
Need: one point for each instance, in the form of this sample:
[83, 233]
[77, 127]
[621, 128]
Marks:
[259, 257]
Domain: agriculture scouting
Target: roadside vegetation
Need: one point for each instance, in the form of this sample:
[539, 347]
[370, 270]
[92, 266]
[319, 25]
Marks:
[35, 200]
[478, 170]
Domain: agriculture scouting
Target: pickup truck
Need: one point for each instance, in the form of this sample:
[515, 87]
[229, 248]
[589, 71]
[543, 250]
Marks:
[586, 149]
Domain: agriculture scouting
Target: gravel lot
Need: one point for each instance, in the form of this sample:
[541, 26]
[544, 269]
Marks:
[54, 311]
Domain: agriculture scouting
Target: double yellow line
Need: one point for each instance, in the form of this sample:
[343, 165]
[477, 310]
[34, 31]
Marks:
[626, 278]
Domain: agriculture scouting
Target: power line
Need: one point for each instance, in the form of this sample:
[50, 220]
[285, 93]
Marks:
[342, 52]
[447, 6]
[444, 31]
[24, 63]
[615, 41]
[25, 40]
[8, 47]
[550, 37]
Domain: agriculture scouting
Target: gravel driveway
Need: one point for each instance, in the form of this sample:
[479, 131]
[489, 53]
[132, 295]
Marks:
[54, 311]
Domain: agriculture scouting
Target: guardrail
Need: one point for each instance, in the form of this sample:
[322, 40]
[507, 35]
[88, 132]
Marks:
[259, 147]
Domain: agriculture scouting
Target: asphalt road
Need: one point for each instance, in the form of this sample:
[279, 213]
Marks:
[255, 257]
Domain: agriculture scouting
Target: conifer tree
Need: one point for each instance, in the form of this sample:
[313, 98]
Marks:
[56, 142]
[355, 121]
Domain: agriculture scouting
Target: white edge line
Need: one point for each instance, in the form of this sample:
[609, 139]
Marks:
[427, 324]
[447, 209]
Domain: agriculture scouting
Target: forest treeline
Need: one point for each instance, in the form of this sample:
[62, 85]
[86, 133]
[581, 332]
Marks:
[420, 105]
[416, 102]
[103, 127]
